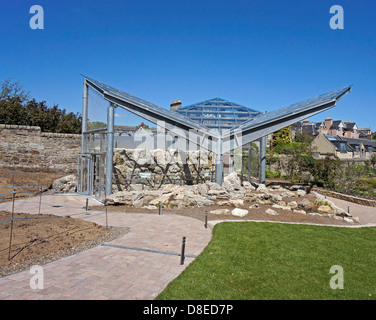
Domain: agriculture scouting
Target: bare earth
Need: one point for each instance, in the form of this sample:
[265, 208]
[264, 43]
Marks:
[36, 241]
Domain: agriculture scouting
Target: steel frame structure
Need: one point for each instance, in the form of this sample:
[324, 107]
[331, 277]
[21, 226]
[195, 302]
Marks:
[192, 130]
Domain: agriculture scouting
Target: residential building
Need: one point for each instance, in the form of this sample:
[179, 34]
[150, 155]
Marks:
[334, 128]
[345, 148]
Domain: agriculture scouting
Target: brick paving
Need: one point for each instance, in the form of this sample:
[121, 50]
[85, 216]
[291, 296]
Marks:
[111, 271]
[366, 215]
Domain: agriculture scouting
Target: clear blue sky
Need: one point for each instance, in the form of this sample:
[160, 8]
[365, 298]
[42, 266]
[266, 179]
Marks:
[260, 53]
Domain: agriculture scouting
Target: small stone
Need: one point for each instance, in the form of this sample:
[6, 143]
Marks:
[301, 193]
[287, 194]
[275, 197]
[299, 211]
[325, 209]
[271, 212]
[293, 204]
[220, 211]
[277, 206]
[237, 202]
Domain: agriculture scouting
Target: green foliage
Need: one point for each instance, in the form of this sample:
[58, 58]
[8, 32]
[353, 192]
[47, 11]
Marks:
[304, 137]
[289, 148]
[322, 203]
[373, 160]
[282, 136]
[273, 174]
[324, 172]
[17, 108]
[97, 125]
[343, 177]
[299, 161]
[11, 90]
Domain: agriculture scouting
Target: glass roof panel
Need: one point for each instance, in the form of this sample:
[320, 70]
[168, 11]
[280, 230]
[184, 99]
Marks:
[220, 109]
[295, 108]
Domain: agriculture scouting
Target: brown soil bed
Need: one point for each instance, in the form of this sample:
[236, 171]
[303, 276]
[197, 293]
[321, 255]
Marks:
[27, 182]
[38, 241]
[254, 214]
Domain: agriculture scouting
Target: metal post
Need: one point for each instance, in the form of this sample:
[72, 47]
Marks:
[109, 148]
[87, 204]
[249, 161]
[219, 164]
[106, 219]
[40, 199]
[206, 219]
[182, 252]
[160, 207]
[11, 224]
[262, 159]
[85, 95]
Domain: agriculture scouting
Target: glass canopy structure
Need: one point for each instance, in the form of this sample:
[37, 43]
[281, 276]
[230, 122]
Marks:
[225, 124]
[218, 113]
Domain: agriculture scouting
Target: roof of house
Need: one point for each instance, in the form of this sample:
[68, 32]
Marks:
[349, 125]
[351, 143]
[336, 124]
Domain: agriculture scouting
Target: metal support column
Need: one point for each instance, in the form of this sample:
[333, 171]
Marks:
[249, 161]
[109, 148]
[219, 164]
[85, 94]
[262, 159]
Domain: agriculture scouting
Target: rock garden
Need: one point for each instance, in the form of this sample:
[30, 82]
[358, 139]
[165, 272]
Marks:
[234, 200]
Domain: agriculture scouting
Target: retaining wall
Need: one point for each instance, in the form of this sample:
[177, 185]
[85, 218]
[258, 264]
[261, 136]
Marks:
[26, 148]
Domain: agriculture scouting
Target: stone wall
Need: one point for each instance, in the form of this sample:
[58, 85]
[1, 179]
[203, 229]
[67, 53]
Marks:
[341, 196]
[27, 148]
[141, 168]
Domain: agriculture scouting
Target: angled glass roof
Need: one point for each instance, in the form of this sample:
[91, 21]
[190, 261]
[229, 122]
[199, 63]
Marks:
[236, 123]
[140, 107]
[218, 113]
[300, 107]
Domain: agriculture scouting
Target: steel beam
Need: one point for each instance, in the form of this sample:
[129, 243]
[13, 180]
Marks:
[85, 96]
[109, 148]
[249, 161]
[262, 175]
[219, 164]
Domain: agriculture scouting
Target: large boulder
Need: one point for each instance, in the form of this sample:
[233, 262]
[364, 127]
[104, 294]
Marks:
[65, 184]
[239, 212]
[124, 197]
[192, 200]
[231, 182]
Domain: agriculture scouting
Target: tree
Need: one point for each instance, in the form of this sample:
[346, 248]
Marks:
[282, 136]
[17, 108]
[97, 125]
[11, 90]
[304, 137]
[373, 160]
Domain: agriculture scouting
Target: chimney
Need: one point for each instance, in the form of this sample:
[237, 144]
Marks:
[175, 105]
[328, 123]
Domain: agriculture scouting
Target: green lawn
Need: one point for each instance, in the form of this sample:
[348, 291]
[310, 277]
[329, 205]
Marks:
[256, 260]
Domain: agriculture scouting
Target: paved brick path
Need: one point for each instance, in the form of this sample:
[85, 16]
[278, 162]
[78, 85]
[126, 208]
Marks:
[138, 265]
[367, 215]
